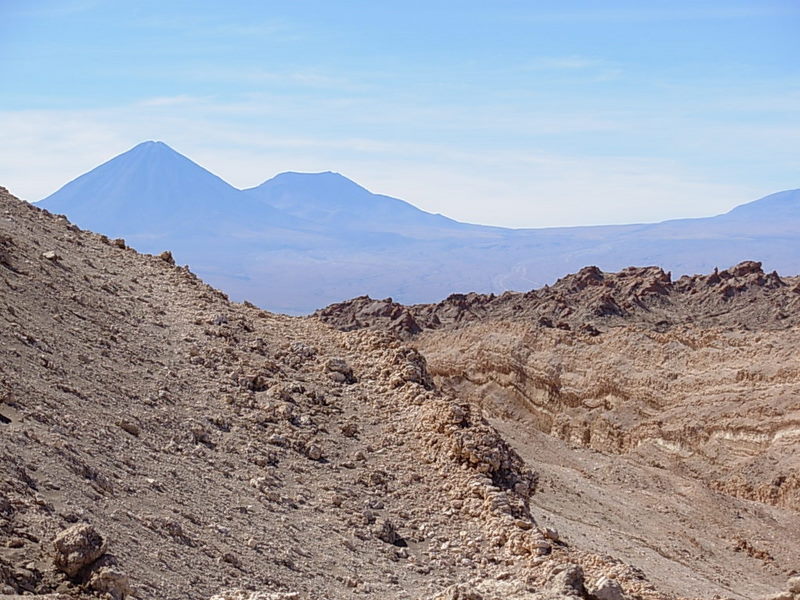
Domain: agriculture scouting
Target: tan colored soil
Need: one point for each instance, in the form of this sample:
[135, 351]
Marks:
[223, 451]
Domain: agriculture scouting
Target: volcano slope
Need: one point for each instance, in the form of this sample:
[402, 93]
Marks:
[662, 416]
[159, 441]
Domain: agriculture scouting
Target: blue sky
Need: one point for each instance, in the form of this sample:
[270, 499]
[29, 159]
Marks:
[509, 113]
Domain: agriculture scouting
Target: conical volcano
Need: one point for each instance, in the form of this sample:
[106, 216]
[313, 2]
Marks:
[152, 191]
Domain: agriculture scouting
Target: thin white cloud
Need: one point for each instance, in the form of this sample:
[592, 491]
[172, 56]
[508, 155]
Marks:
[181, 99]
[563, 63]
[260, 29]
[368, 112]
[52, 9]
[252, 76]
[211, 28]
[648, 12]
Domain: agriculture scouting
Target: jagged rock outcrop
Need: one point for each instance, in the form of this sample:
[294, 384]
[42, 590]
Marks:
[363, 311]
[592, 301]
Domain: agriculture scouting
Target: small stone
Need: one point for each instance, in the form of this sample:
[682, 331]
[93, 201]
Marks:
[201, 435]
[568, 580]
[111, 581]
[154, 484]
[239, 594]
[542, 547]
[51, 255]
[457, 414]
[314, 452]
[794, 585]
[350, 429]
[166, 256]
[459, 592]
[277, 439]
[387, 532]
[608, 589]
[232, 559]
[130, 427]
[551, 534]
[285, 412]
[339, 371]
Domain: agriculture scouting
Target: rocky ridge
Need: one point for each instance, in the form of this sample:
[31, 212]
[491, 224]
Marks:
[159, 441]
[592, 301]
[691, 384]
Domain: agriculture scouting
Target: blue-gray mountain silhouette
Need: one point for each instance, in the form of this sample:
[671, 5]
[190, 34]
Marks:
[152, 190]
[332, 199]
[300, 241]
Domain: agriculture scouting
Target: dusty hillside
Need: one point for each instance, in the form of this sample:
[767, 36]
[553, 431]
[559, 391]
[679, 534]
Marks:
[663, 417]
[158, 441]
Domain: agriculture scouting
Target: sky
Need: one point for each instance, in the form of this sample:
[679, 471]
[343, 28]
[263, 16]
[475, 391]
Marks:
[513, 113]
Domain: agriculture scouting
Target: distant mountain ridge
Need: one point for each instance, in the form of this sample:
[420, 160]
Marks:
[332, 199]
[300, 241]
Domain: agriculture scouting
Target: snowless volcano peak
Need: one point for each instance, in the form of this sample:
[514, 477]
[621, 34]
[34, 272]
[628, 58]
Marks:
[327, 188]
[152, 190]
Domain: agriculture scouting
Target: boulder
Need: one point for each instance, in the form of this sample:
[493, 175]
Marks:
[77, 547]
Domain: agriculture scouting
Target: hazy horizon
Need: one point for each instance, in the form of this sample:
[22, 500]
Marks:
[298, 242]
[522, 117]
[387, 193]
